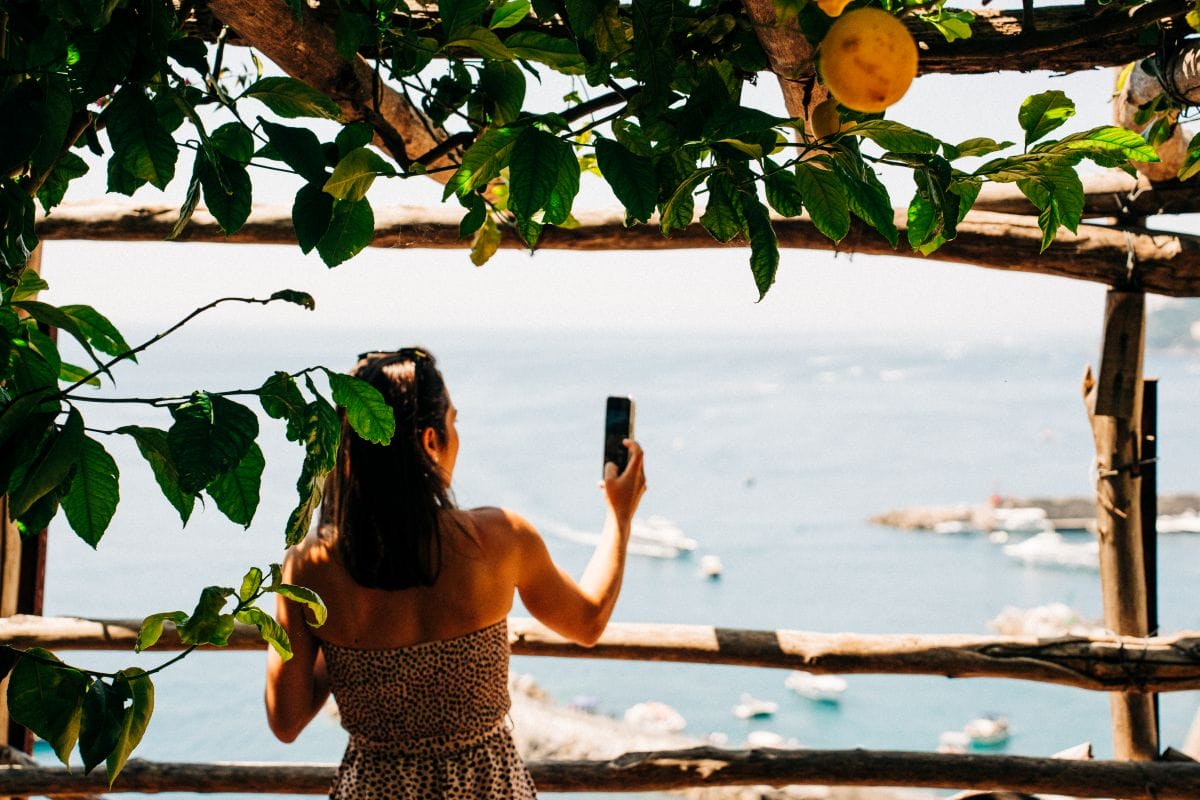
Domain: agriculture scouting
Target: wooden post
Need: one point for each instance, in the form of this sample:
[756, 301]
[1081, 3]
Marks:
[1114, 405]
[22, 577]
[1149, 497]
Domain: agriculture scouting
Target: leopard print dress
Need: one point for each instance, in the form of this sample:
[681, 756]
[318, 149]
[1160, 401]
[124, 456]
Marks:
[427, 721]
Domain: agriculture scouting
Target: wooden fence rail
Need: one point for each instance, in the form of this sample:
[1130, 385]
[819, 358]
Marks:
[675, 769]
[1111, 663]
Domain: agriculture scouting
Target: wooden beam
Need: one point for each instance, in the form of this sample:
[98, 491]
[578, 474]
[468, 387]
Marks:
[1110, 194]
[1114, 406]
[1158, 262]
[677, 769]
[1167, 663]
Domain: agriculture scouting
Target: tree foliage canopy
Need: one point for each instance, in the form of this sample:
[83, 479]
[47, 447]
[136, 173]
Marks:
[657, 111]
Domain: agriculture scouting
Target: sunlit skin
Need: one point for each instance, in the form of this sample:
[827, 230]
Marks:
[868, 59]
[487, 556]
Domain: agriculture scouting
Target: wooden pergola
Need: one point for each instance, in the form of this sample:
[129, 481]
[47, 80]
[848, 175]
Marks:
[1114, 248]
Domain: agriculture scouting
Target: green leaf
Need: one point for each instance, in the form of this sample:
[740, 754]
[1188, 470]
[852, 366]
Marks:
[980, 146]
[152, 444]
[825, 199]
[47, 698]
[543, 176]
[28, 286]
[923, 223]
[738, 122]
[300, 519]
[54, 188]
[502, 87]
[136, 685]
[764, 247]
[562, 55]
[299, 148]
[353, 136]
[355, 173]
[51, 466]
[97, 329]
[280, 397]
[102, 721]
[868, 199]
[211, 434]
[207, 625]
[251, 583]
[54, 316]
[73, 373]
[458, 15]
[631, 177]
[653, 55]
[475, 216]
[1042, 113]
[895, 137]
[308, 597]
[509, 14]
[350, 32]
[190, 200]
[311, 214]
[783, 192]
[1107, 139]
[679, 209]
[481, 41]
[233, 140]
[25, 101]
[486, 242]
[320, 432]
[92, 499]
[152, 627]
[367, 412]
[270, 630]
[140, 143]
[227, 191]
[236, 492]
[290, 98]
[351, 228]
[721, 217]
[482, 161]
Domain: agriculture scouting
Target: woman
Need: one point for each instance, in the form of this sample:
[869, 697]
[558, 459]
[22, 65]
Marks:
[415, 647]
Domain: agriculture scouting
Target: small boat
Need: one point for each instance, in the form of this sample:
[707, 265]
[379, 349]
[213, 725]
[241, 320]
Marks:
[711, 567]
[1021, 519]
[659, 536]
[752, 708]
[989, 731]
[955, 742]
[655, 717]
[1048, 548]
[1187, 522]
[819, 688]
[950, 526]
[766, 739]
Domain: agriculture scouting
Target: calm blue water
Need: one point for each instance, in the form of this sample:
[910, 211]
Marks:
[771, 452]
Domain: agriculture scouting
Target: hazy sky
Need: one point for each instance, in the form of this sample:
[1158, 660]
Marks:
[153, 283]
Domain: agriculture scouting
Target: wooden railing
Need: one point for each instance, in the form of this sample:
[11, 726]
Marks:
[1108, 663]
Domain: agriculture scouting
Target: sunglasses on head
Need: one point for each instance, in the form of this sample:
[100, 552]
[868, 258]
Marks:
[403, 353]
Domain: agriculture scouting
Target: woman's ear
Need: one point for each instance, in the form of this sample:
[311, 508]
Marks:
[432, 443]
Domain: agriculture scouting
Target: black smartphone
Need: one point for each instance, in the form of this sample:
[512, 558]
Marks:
[618, 426]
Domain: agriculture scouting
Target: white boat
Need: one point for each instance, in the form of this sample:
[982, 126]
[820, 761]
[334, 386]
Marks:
[654, 716]
[1020, 519]
[751, 707]
[820, 688]
[955, 742]
[711, 567]
[657, 537]
[1187, 522]
[770, 739]
[950, 526]
[1048, 548]
[989, 731]
[1046, 621]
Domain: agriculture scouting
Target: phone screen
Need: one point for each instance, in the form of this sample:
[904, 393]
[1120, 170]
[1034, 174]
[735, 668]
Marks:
[618, 426]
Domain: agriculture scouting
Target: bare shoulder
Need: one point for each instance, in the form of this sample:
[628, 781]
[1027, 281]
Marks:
[310, 558]
[503, 528]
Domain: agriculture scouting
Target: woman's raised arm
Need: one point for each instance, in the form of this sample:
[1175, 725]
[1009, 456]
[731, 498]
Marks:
[580, 611]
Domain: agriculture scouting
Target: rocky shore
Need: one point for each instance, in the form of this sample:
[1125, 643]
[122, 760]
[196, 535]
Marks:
[544, 729]
[1061, 512]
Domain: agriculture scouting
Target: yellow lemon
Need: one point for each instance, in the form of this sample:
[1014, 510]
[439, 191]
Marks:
[832, 8]
[868, 59]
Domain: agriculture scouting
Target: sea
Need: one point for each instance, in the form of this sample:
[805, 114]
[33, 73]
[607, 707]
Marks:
[771, 452]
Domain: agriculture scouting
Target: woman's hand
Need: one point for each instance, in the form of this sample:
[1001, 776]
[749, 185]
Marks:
[624, 491]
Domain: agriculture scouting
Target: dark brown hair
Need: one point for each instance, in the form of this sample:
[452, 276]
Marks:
[383, 503]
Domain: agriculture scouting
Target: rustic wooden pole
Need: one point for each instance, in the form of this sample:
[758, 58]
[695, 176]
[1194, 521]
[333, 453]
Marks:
[1149, 491]
[1102, 663]
[1114, 405]
[679, 769]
